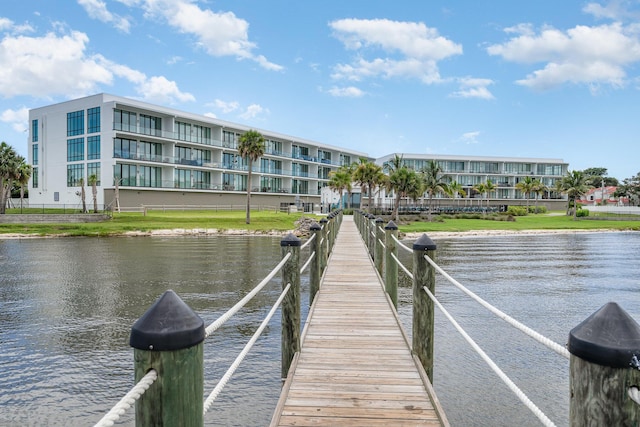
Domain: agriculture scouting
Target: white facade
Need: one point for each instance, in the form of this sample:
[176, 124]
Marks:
[158, 153]
[503, 172]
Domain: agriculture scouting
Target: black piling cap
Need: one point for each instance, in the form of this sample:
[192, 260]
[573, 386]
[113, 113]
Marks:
[315, 226]
[169, 324]
[424, 243]
[391, 226]
[609, 337]
[324, 221]
[379, 220]
[290, 240]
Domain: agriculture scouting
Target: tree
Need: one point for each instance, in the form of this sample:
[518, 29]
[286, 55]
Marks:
[82, 195]
[340, 180]
[368, 174]
[251, 147]
[526, 187]
[10, 164]
[24, 174]
[489, 187]
[404, 182]
[432, 181]
[539, 188]
[630, 188]
[454, 189]
[480, 188]
[93, 181]
[575, 185]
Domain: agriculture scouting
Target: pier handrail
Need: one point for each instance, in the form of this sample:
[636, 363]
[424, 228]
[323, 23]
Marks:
[322, 239]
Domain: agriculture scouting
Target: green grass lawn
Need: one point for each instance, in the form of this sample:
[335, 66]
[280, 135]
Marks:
[268, 221]
[262, 221]
[530, 222]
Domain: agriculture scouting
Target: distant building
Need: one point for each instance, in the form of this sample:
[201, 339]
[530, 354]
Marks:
[599, 195]
[165, 156]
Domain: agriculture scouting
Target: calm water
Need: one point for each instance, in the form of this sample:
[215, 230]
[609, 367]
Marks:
[67, 306]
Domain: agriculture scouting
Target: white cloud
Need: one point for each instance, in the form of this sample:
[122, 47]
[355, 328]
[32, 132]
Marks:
[409, 49]
[97, 9]
[473, 88]
[617, 10]
[226, 107]
[253, 111]
[346, 92]
[18, 119]
[580, 55]
[8, 25]
[470, 137]
[219, 34]
[58, 65]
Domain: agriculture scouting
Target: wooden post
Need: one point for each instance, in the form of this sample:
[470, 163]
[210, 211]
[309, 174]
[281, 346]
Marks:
[314, 274]
[169, 338]
[604, 366]
[371, 238]
[423, 307]
[291, 302]
[390, 265]
[323, 250]
[377, 256]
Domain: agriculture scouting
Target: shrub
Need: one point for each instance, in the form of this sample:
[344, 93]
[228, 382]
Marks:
[582, 212]
[517, 210]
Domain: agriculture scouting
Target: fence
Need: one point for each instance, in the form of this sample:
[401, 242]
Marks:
[603, 350]
[168, 339]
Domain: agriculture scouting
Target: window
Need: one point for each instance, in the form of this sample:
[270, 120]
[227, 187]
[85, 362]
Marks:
[125, 148]
[124, 120]
[183, 178]
[34, 130]
[93, 120]
[300, 187]
[75, 149]
[126, 174]
[34, 178]
[150, 125]
[93, 169]
[75, 123]
[150, 151]
[150, 176]
[273, 147]
[34, 154]
[202, 179]
[345, 160]
[74, 174]
[93, 147]
[229, 139]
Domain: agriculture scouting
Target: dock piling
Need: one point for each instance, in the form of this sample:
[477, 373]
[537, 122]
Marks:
[423, 307]
[291, 303]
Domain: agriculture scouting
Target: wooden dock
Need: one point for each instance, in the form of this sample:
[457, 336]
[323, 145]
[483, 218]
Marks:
[355, 367]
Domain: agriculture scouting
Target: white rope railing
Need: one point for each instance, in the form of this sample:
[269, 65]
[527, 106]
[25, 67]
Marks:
[227, 376]
[308, 242]
[512, 386]
[306, 264]
[382, 244]
[510, 320]
[405, 269]
[402, 245]
[128, 400]
[226, 316]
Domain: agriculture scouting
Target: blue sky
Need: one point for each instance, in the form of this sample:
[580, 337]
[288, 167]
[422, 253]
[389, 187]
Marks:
[557, 79]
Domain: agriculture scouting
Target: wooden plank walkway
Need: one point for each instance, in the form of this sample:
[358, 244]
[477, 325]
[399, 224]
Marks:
[355, 367]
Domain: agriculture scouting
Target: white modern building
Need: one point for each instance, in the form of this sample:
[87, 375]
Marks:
[504, 172]
[159, 155]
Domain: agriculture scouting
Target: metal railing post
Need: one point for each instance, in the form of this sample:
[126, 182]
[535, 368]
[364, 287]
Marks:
[423, 307]
[314, 274]
[169, 338]
[379, 235]
[604, 370]
[291, 302]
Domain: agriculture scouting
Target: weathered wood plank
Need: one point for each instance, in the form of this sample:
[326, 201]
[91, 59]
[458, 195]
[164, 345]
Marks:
[355, 367]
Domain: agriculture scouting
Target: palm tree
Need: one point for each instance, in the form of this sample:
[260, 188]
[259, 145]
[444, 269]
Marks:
[526, 187]
[368, 174]
[539, 188]
[251, 147]
[432, 181]
[24, 174]
[481, 188]
[10, 163]
[82, 195]
[489, 187]
[340, 180]
[575, 184]
[404, 182]
[454, 189]
[93, 181]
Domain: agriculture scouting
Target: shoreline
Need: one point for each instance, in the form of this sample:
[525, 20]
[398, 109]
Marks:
[178, 232]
